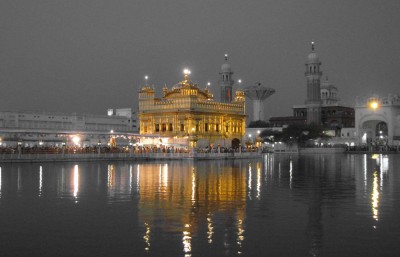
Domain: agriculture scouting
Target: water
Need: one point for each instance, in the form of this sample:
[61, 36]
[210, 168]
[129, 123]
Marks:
[281, 205]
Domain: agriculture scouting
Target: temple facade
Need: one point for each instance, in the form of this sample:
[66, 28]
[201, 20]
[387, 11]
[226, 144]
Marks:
[188, 116]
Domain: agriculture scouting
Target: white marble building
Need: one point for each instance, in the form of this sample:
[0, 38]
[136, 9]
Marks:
[29, 128]
[377, 120]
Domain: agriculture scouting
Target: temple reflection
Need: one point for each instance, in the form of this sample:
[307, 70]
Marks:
[174, 197]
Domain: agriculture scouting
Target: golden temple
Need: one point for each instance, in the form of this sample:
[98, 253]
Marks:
[188, 115]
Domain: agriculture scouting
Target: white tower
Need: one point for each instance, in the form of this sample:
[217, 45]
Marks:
[226, 81]
[258, 94]
[313, 75]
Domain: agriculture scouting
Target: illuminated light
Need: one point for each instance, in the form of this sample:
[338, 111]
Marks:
[112, 131]
[374, 105]
[258, 132]
[208, 84]
[76, 140]
[0, 181]
[186, 72]
[40, 142]
[375, 197]
[76, 180]
[239, 81]
[146, 77]
[249, 135]
[375, 156]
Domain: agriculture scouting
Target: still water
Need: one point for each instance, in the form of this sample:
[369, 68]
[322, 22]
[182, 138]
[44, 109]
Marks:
[281, 205]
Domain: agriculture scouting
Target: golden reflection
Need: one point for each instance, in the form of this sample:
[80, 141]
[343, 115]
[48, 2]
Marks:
[210, 228]
[76, 180]
[250, 180]
[187, 240]
[0, 181]
[163, 178]
[258, 180]
[146, 237]
[240, 235]
[193, 195]
[110, 176]
[138, 178]
[375, 196]
[193, 186]
[40, 180]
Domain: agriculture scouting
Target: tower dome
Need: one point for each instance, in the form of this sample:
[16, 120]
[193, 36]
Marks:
[226, 67]
[313, 56]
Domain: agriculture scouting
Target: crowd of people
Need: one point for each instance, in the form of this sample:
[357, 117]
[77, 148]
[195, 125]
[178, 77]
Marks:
[121, 149]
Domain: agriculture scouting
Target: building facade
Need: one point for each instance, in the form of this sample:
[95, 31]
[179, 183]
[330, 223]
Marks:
[188, 116]
[377, 120]
[29, 128]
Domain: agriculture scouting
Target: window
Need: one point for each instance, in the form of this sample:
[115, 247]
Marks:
[206, 127]
[217, 127]
[157, 127]
[182, 127]
[170, 127]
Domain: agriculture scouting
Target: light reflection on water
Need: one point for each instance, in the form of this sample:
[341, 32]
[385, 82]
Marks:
[279, 205]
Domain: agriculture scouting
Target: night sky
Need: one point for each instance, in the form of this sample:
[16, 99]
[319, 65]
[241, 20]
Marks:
[88, 56]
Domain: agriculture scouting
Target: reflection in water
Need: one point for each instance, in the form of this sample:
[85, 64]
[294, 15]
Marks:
[146, 237]
[250, 180]
[110, 177]
[76, 180]
[210, 228]
[240, 234]
[40, 180]
[130, 178]
[375, 196]
[291, 172]
[174, 197]
[138, 178]
[187, 240]
[19, 180]
[365, 172]
[186, 208]
[258, 180]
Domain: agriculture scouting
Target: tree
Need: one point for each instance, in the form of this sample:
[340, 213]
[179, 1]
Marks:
[300, 134]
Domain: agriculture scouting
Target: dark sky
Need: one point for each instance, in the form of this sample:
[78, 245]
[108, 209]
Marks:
[87, 56]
